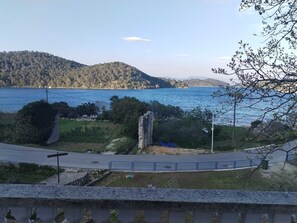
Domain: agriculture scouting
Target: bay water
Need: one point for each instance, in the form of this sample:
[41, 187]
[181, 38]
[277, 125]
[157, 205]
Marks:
[13, 99]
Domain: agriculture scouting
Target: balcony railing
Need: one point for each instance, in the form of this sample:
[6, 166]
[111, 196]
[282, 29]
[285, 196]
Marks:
[25, 203]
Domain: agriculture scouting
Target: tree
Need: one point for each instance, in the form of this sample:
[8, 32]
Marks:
[270, 71]
[186, 131]
[35, 122]
[162, 111]
[127, 111]
[87, 109]
[62, 108]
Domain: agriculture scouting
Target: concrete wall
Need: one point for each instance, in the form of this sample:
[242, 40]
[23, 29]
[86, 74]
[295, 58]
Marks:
[204, 206]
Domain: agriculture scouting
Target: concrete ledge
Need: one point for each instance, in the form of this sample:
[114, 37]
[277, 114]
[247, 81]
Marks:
[144, 199]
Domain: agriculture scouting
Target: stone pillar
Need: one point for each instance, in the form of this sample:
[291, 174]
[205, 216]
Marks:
[253, 218]
[127, 215]
[201, 217]
[293, 218]
[145, 130]
[54, 137]
[282, 218]
[177, 216]
[100, 215]
[47, 215]
[217, 217]
[230, 218]
[73, 215]
[22, 215]
[241, 217]
[152, 216]
[3, 212]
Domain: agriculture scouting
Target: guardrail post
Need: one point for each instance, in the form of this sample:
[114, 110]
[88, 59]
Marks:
[132, 166]
[234, 164]
[155, 166]
[175, 166]
[251, 163]
[197, 166]
[110, 165]
[216, 165]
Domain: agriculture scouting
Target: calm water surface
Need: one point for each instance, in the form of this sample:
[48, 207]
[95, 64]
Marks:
[12, 99]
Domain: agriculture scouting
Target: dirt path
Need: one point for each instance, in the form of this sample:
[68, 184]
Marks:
[158, 150]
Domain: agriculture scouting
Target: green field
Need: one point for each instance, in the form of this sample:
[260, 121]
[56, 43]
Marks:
[24, 173]
[239, 179]
[83, 136]
[88, 132]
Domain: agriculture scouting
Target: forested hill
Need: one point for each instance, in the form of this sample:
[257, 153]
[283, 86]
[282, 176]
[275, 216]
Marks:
[37, 69]
[208, 82]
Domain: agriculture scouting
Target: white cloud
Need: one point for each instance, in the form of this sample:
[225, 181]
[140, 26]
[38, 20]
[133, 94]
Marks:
[181, 55]
[135, 39]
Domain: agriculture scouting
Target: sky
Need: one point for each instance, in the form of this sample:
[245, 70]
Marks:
[163, 38]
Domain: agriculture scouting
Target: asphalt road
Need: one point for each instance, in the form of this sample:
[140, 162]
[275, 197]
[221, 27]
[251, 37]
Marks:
[17, 154]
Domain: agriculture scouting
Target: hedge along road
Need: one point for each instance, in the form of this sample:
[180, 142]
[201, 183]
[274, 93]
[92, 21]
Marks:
[147, 163]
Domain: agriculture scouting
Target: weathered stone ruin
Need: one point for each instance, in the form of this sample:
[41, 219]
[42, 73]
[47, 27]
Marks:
[54, 137]
[145, 130]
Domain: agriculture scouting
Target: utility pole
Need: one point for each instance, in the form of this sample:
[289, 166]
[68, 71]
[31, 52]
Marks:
[234, 121]
[212, 132]
[46, 95]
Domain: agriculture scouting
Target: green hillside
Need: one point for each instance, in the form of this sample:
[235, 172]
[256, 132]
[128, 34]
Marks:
[37, 69]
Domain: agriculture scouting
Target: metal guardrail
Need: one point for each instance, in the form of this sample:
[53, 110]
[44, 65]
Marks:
[182, 166]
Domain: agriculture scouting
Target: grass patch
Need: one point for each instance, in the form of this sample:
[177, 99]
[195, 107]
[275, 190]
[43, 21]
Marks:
[83, 136]
[239, 179]
[25, 173]
[90, 132]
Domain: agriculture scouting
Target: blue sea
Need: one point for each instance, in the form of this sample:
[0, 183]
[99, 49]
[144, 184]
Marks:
[13, 99]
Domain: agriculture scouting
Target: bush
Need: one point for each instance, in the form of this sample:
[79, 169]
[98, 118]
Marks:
[185, 132]
[7, 126]
[34, 122]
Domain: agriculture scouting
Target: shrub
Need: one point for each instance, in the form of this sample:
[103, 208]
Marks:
[34, 122]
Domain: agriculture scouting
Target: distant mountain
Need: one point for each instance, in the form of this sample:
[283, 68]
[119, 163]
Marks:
[38, 69]
[203, 82]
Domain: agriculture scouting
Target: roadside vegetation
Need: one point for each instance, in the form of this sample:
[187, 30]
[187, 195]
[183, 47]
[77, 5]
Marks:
[24, 173]
[89, 128]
